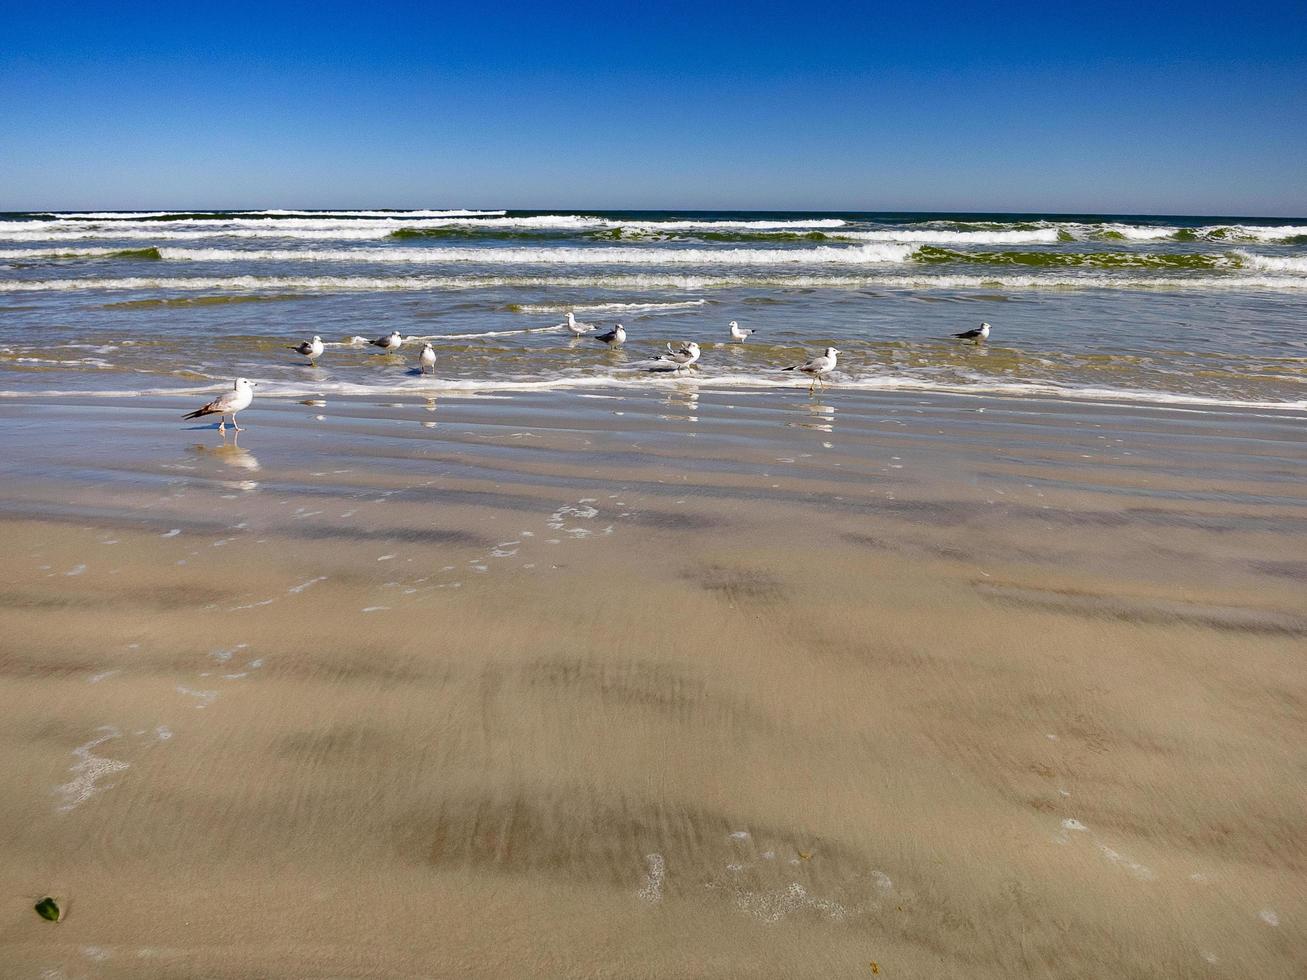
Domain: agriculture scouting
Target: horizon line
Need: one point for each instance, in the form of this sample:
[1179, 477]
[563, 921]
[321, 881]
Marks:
[697, 210]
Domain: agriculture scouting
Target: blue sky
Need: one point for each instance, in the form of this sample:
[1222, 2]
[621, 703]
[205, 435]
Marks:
[1114, 107]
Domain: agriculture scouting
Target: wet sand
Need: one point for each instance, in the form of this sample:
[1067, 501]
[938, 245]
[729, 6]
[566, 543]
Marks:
[665, 684]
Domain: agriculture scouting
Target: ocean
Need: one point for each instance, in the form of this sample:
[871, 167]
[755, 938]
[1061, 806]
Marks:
[1200, 311]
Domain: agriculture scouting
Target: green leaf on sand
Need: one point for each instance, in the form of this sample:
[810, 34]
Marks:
[48, 908]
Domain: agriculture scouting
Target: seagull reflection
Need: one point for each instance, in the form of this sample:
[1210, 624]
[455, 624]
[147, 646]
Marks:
[822, 417]
[682, 397]
[230, 454]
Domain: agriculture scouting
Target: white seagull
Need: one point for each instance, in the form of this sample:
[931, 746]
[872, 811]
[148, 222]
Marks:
[228, 403]
[979, 335]
[677, 357]
[392, 341]
[682, 351]
[738, 332]
[614, 337]
[312, 349]
[427, 359]
[818, 367]
[574, 328]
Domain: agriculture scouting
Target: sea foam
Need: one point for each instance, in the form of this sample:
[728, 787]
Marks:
[1233, 280]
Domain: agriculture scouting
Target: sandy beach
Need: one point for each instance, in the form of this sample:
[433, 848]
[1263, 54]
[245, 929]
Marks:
[661, 683]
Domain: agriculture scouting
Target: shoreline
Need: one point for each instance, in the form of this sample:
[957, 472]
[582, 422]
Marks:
[761, 684]
[1036, 393]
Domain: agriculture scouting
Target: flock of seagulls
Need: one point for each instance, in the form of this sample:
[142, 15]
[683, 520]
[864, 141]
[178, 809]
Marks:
[677, 357]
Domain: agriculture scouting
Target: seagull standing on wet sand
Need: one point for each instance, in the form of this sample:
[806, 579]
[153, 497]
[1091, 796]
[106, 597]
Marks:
[818, 367]
[738, 332]
[574, 328]
[979, 335]
[427, 359]
[312, 349]
[614, 337]
[228, 403]
[392, 341]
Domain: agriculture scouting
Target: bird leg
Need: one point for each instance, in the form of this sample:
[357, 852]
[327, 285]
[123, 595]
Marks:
[222, 423]
[233, 423]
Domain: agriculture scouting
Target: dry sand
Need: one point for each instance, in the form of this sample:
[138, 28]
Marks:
[739, 684]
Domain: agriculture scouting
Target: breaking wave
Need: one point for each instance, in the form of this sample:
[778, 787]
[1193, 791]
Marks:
[335, 284]
[845, 255]
[1275, 263]
[1037, 236]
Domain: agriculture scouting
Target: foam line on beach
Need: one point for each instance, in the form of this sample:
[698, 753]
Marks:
[427, 387]
[593, 308]
[360, 341]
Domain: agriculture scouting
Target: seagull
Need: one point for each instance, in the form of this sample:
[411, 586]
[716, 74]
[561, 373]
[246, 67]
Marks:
[818, 367]
[614, 337]
[427, 359]
[312, 349]
[682, 352]
[979, 335]
[228, 403]
[574, 328]
[738, 332]
[392, 341]
[677, 357]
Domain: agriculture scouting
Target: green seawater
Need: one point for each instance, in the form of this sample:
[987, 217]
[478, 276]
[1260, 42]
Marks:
[1098, 260]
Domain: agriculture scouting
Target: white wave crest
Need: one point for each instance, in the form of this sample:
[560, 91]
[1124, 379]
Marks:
[821, 255]
[107, 215]
[401, 215]
[1261, 233]
[1274, 263]
[219, 215]
[362, 226]
[1138, 233]
[356, 232]
[674, 225]
[1038, 236]
[617, 281]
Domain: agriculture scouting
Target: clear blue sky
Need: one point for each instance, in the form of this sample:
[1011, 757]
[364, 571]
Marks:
[1124, 107]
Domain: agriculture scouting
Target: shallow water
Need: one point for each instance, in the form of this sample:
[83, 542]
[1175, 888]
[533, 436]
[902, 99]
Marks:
[1200, 311]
